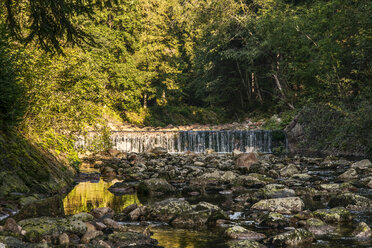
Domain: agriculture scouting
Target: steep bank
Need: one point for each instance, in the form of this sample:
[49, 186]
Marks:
[26, 169]
[332, 130]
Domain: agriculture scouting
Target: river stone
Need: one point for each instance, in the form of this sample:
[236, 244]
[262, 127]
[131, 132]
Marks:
[275, 220]
[302, 177]
[158, 151]
[246, 160]
[244, 244]
[11, 226]
[52, 207]
[113, 152]
[111, 223]
[275, 191]
[122, 188]
[63, 239]
[334, 215]
[101, 212]
[362, 231]
[198, 163]
[214, 212]
[348, 175]
[249, 181]
[131, 239]
[239, 232]
[154, 185]
[88, 236]
[168, 209]
[194, 220]
[47, 225]
[293, 238]
[281, 205]
[130, 208]
[108, 172]
[350, 201]
[137, 213]
[363, 164]
[82, 216]
[318, 227]
[289, 171]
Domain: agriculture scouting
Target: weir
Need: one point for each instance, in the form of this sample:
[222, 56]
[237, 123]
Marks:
[195, 141]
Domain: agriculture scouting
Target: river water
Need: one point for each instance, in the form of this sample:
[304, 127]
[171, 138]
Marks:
[87, 195]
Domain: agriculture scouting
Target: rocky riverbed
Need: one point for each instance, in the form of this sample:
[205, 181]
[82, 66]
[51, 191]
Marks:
[244, 200]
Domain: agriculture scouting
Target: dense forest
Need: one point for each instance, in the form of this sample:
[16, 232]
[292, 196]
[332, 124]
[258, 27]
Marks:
[67, 65]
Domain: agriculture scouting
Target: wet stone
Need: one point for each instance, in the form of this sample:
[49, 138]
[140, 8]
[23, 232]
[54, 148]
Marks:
[238, 232]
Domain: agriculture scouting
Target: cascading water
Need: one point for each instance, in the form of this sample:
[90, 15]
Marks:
[194, 141]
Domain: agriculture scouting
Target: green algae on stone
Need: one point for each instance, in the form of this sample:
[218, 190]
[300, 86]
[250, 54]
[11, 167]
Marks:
[293, 238]
[334, 215]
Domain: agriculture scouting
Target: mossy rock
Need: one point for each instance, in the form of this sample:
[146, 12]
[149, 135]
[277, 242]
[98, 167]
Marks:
[52, 206]
[334, 215]
[155, 185]
[294, 238]
[131, 239]
[350, 201]
[39, 227]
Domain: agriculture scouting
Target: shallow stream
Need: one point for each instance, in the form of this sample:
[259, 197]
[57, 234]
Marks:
[87, 195]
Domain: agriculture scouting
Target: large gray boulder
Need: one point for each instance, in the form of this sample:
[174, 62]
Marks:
[155, 186]
[239, 232]
[281, 205]
[294, 238]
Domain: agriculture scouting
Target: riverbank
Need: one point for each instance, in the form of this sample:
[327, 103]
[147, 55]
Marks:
[29, 173]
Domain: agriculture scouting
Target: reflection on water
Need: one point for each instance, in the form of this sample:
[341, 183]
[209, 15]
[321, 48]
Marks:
[89, 195]
[173, 238]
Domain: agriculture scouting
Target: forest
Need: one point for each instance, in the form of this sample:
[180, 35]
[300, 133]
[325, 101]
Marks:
[186, 123]
[69, 65]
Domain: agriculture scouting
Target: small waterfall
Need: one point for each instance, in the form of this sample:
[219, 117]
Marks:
[194, 141]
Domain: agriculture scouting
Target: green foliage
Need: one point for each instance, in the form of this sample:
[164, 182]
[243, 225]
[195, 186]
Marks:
[183, 115]
[340, 129]
[11, 104]
[180, 62]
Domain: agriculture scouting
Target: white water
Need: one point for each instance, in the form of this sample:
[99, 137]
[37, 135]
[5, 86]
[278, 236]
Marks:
[195, 141]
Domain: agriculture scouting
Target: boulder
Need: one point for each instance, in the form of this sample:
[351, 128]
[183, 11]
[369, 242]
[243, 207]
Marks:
[158, 151]
[318, 227]
[102, 212]
[11, 226]
[246, 160]
[155, 186]
[281, 205]
[88, 236]
[289, 171]
[350, 201]
[238, 232]
[362, 231]
[275, 191]
[168, 209]
[293, 238]
[110, 223]
[363, 164]
[334, 215]
[137, 213]
[350, 174]
[52, 207]
[63, 239]
[39, 227]
[108, 172]
[82, 217]
[113, 152]
[274, 220]
[120, 188]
